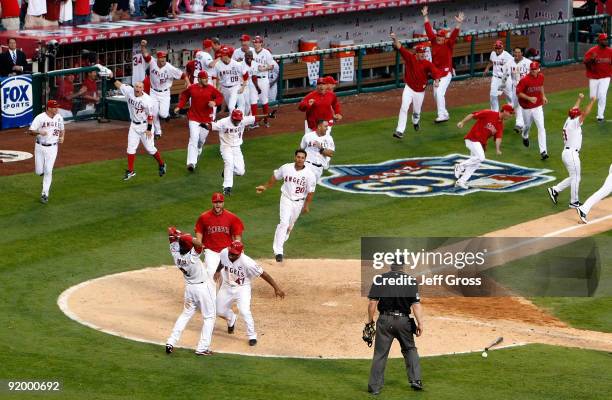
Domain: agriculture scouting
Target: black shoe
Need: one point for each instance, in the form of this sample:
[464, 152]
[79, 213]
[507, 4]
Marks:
[227, 191]
[416, 126]
[544, 155]
[230, 329]
[128, 175]
[373, 392]
[582, 215]
[252, 342]
[526, 142]
[190, 167]
[204, 353]
[575, 204]
[552, 193]
[518, 129]
[44, 199]
[439, 121]
[600, 120]
[169, 349]
[162, 169]
[416, 385]
[279, 258]
[398, 135]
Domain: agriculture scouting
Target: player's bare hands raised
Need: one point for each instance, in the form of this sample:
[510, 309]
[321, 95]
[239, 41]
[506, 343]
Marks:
[424, 11]
[460, 17]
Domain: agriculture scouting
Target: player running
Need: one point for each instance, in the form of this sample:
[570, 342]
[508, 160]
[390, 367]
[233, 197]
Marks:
[531, 97]
[319, 147]
[595, 198]
[598, 62]
[499, 59]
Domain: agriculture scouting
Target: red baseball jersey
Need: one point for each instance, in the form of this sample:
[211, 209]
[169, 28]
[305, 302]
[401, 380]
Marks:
[200, 95]
[532, 87]
[488, 124]
[598, 62]
[442, 54]
[324, 107]
[217, 230]
[64, 90]
[417, 72]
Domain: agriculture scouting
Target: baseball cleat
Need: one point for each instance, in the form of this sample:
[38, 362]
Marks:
[398, 135]
[461, 185]
[575, 204]
[544, 155]
[44, 199]
[128, 175]
[227, 191]
[266, 124]
[190, 167]
[440, 120]
[416, 126]
[582, 215]
[254, 126]
[252, 342]
[169, 349]
[416, 385]
[458, 170]
[518, 129]
[279, 258]
[526, 142]
[600, 120]
[204, 353]
[230, 329]
[552, 193]
[162, 169]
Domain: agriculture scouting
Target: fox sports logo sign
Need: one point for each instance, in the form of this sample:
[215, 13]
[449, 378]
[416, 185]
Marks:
[16, 96]
[431, 176]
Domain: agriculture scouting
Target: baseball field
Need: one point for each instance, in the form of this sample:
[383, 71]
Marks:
[104, 338]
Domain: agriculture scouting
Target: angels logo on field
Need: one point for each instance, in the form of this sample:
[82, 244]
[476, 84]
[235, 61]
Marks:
[431, 176]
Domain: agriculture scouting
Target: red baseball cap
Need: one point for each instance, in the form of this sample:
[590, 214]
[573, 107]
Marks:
[419, 48]
[237, 115]
[442, 32]
[321, 81]
[574, 112]
[207, 43]
[186, 241]
[161, 54]
[330, 80]
[217, 197]
[245, 38]
[202, 74]
[224, 51]
[236, 247]
[52, 104]
[508, 108]
[602, 37]
[534, 65]
[499, 44]
[257, 39]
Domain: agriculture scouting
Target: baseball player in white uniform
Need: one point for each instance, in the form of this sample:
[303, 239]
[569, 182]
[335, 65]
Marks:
[519, 67]
[139, 65]
[595, 198]
[299, 183]
[572, 142]
[273, 78]
[232, 78]
[199, 291]
[162, 74]
[266, 63]
[48, 127]
[245, 41]
[319, 147]
[237, 269]
[500, 59]
[251, 94]
[141, 111]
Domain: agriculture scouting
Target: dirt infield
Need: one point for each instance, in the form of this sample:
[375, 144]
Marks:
[323, 313]
[91, 141]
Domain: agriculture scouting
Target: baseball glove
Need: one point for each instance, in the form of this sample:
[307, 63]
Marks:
[368, 333]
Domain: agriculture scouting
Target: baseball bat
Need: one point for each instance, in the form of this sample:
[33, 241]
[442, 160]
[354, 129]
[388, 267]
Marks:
[495, 343]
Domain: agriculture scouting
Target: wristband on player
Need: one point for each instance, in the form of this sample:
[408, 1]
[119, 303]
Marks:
[149, 127]
[322, 150]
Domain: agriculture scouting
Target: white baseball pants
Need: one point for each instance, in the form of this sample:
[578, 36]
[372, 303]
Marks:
[518, 110]
[197, 135]
[197, 296]
[250, 97]
[273, 92]
[289, 213]
[531, 115]
[44, 160]
[439, 95]
[241, 294]
[318, 171]
[232, 98]
[136, 135]
[161, 102]
[469, 166]
[233, 163]
[600, 194]
[409, 96]
[211, 261]
[264, 86]
[571, 160]
[497, 84]
[598, 88]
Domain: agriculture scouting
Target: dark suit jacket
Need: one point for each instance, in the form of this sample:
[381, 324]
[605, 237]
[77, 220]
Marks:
[6, 63]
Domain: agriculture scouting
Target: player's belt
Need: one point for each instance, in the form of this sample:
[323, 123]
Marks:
[138, 123]
[45, 144]
[316, 165]
[229, 87]
[160, 91]
[194, 283]
[262, 77]
[290, 199]
[569, 148]
[395, 314]
[498, 77]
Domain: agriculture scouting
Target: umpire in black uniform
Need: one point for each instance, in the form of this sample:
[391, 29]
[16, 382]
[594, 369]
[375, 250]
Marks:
[394, 303]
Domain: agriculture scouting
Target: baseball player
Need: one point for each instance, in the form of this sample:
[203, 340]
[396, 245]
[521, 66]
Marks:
[416, 74]
[595, 198]
[318, 146]
[236, 270]
[200, 62]
[572, 140]
[298, 188]
[48, 127]
[519, 68]
[273, 78]
[162, 75]
[531, 97]
[251, 94]
[215, 230]
[139, 66]
[141, 110]
[266, 64]
[245, 45]
[598, 62]
[232, 78]
[488, 124]
[442, 58]
[499, 59]
[199, 291]
[320, 104]
[204, 99]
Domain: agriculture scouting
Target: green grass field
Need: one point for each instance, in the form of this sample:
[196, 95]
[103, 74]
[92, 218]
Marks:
[96, 224]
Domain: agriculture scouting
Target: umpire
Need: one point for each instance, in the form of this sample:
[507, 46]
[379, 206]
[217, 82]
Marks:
[395, 294]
